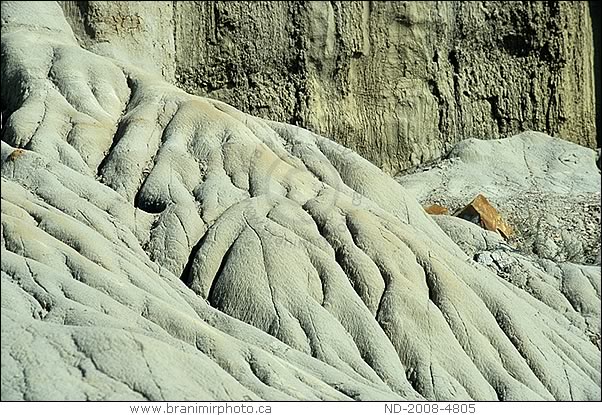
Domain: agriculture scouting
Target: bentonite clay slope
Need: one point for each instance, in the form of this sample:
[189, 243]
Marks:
[158, 245]
[549, 190]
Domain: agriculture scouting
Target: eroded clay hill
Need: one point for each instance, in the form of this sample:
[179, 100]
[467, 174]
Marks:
[159, 245]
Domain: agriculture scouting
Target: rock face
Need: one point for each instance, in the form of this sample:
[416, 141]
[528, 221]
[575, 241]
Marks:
[159, 245]
[480, 211]
[398, 82]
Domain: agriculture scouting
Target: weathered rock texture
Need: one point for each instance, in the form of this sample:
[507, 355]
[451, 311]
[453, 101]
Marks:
[543, 279]
[548, 189]
[398, 82]
[158, 245]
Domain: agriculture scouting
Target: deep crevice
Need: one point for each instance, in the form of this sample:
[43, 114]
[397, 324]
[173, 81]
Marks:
[186, 275]
[212, 297]
[84, 7]
[496, 113]
[595, 9]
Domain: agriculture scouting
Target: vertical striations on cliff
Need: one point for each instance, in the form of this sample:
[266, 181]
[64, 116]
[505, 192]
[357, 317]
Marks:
[399, 82]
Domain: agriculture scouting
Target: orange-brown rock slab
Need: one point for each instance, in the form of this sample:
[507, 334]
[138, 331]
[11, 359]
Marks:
[482, 212]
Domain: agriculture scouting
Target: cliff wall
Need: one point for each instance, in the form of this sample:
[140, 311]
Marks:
[398, 82]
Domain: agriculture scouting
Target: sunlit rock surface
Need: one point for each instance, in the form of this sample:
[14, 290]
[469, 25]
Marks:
[158, 245]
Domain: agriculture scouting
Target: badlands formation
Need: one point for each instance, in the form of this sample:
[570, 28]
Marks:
[158, 245]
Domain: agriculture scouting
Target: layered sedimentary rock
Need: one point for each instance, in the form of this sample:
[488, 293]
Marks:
[160, 245]
[397, 82]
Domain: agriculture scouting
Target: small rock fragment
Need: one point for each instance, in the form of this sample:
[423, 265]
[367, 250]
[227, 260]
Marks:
[481, 212]
[436, 209]
[16, 154]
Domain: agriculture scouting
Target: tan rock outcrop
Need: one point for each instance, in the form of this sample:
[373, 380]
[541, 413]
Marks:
[398, 82]
[436, 209]
[480, 211]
